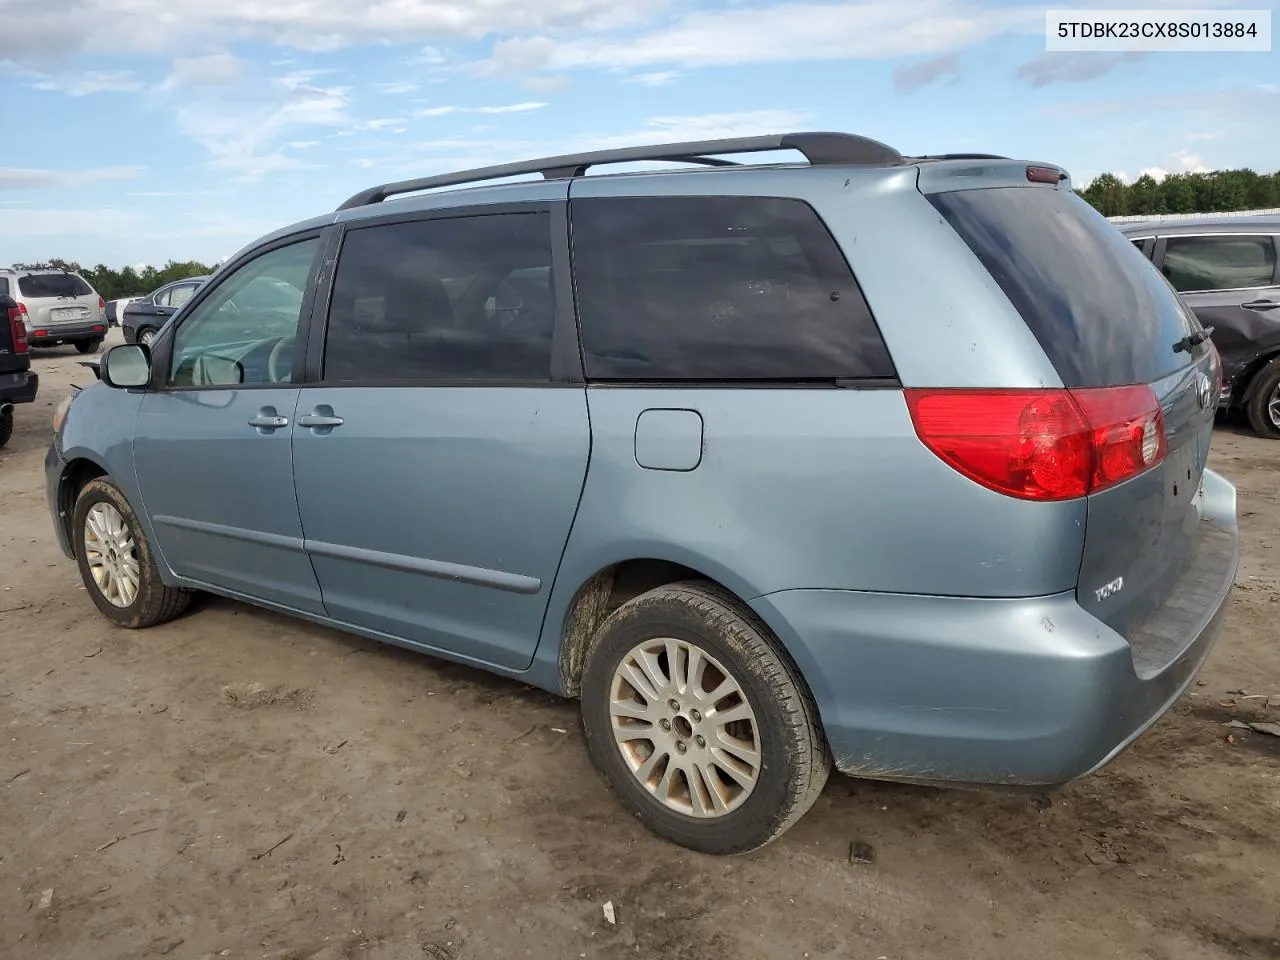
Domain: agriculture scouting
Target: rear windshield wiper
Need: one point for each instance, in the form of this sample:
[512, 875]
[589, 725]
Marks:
[1192, 340]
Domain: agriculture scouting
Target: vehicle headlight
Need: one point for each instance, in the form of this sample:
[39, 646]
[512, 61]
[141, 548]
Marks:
[60, 415]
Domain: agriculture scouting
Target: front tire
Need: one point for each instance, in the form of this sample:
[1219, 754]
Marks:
[88, 346]
[1264, 407]
[699, 722]
[116, 562]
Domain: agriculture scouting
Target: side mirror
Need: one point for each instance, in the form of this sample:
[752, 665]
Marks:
[126, 366]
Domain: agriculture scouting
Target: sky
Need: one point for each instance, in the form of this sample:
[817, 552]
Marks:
[139, 131]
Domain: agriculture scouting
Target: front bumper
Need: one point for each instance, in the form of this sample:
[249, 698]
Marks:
[1031, 691]
[67, 332]
[20, 387]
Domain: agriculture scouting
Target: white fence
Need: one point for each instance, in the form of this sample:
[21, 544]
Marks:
[1156, 217]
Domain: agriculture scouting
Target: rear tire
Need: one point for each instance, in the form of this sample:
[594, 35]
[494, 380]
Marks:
[146, 336]
[696, 793]
[6, 428]
[1263, 409]
[116, 562]
[88, 346]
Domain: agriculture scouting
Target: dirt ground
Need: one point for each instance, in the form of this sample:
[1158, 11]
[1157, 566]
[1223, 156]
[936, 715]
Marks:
[237, 784]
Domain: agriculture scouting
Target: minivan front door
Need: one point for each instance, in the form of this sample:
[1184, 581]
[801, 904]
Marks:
[212, 445]
[438, 467]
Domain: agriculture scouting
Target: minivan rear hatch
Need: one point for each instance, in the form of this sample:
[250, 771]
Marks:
[56, 298]
[1105, 317]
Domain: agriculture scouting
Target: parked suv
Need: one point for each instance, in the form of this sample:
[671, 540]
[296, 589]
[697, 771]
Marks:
[17, 383]
[890, 463]
[57, 306]
[143, 317]
[1228, 271]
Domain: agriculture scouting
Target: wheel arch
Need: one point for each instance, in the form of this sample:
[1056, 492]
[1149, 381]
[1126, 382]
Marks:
[1249, 376]
[613, 584]
[76, 475]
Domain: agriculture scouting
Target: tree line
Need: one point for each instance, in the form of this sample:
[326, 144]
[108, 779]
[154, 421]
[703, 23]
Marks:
[113, 284]
[1220, 191]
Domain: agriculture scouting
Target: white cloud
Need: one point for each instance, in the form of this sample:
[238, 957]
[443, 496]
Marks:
[398, 87]
[922, 73]
[303, 144]
[38, 29]
[20, 178]
[1188, 162]
[90, 82]
[1155, 173]
[380, 124]
[525, 107]
[445, 111]
[217, 69]
[246, 131]
[657, 78]
[781, 32]
[545, 83]
[1210, 135]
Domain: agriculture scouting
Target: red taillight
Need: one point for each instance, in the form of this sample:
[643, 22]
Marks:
[1042, 444]
[102, 304]
[19, 329]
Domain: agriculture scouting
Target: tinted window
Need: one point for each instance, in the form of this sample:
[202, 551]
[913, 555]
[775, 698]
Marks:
[1101, 311]
[244, 332]
[4, 286]
[39, 285]
[445, 300]
[718, 288]
[1219, 263]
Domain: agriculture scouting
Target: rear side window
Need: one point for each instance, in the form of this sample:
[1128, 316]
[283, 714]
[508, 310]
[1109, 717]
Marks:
[1219, 262]
[461, 299]
[39, 285]
[718, 288]
[4, 286]
[1100, 310]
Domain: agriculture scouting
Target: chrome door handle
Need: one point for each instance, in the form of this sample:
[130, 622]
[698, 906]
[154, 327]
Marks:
[319, 420]
[264, 422]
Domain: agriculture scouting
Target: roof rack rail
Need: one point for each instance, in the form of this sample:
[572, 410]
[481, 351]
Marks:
[818, 148]
[961, 156]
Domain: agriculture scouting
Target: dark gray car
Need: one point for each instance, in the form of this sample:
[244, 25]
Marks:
[144, 317]
[1228, 272]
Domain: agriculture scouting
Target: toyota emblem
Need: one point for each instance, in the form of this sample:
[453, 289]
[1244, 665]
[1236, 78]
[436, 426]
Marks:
[1204, 392]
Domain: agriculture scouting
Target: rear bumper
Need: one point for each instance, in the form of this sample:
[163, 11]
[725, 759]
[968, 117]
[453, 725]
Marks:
[20, 387]
[68, 332]
[1027, 692]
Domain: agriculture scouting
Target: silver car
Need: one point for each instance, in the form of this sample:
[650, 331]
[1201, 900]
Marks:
[57, 306]
[888, 464]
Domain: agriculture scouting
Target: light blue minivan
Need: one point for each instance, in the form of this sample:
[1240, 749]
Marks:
[892, 464]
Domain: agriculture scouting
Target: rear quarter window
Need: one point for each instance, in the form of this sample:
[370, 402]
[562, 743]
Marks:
[42, 285]
[718, 289]
[1101, 311]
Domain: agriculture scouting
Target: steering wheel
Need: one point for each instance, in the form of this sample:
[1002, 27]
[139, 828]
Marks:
[275, 359]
